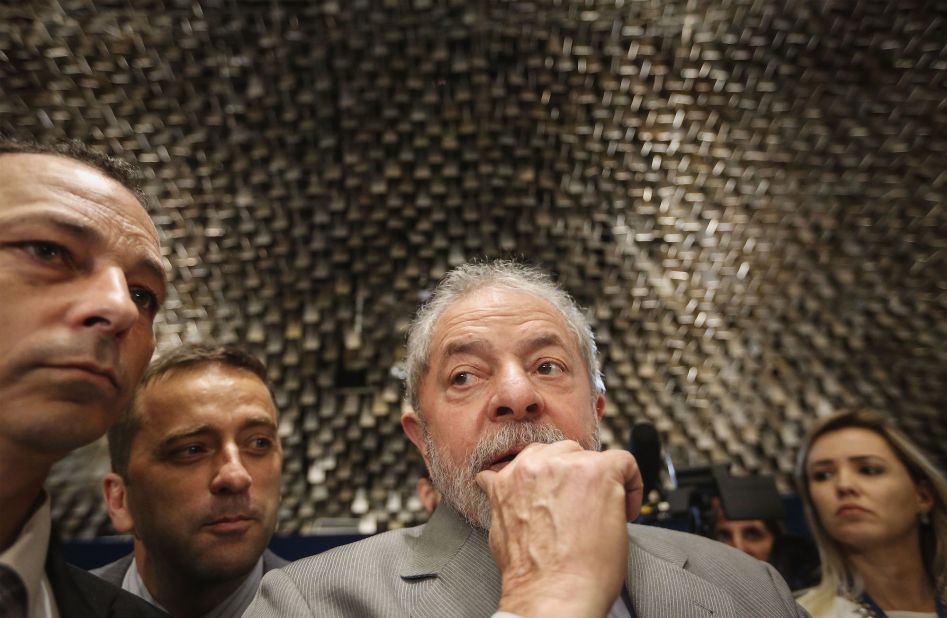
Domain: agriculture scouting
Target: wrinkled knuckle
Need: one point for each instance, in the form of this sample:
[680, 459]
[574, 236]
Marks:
[496, 490]
[532, 467]
[589, 466]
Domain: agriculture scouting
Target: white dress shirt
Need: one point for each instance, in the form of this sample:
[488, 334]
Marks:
[27, 556]
[618, 610]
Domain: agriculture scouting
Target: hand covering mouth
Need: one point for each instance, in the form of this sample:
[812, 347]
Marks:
[500, 461]
[494, 451]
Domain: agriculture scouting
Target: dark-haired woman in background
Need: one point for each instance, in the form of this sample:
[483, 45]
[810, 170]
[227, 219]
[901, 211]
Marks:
[794, 557]
[751, 536]
[878, 510]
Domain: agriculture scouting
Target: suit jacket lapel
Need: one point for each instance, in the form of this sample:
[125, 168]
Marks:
[659, 585]
[451, 563]
[454, 569]
[70, 599]
[80, 594]
[114, 572]
[272, 561]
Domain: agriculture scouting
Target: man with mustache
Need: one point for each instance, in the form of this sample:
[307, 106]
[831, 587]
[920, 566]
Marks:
[81, 280]
[195, 479]
[505, 384]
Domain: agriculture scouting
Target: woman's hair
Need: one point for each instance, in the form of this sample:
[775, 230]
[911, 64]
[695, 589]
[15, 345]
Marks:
[837, 576]
[773, 526]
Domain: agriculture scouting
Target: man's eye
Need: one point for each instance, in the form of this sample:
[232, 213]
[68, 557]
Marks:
[261, 444]
[548, 368]
[144, 298]
[189, 452]
[461, 378]
[46, 251]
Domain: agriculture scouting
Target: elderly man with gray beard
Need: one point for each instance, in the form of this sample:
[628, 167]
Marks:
[504, 380]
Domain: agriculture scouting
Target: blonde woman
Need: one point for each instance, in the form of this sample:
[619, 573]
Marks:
[878, 510]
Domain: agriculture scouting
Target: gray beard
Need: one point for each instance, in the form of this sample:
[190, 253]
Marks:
[457, 483]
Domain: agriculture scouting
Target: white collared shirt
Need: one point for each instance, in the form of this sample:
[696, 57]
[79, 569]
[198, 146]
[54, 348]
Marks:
[618, 610]
[27, 556]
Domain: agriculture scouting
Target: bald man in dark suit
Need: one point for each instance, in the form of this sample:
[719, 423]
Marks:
[82, 279]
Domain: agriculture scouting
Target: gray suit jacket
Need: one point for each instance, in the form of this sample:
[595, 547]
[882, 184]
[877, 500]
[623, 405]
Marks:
[114, 572]
[444, 568]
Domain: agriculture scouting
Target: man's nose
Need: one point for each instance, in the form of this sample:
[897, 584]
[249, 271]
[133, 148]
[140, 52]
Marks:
[516, 397]
[106, 304]
[232, 477]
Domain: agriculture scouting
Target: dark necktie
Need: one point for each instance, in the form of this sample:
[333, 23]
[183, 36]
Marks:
[12, 594]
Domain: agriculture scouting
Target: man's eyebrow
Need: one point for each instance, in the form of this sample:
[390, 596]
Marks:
[66, 225]
[201, 430]
[153, 267]
[259, 421]
[183, 434]
[478, 346]
[87, 233]
[543, 340]
[154, 270]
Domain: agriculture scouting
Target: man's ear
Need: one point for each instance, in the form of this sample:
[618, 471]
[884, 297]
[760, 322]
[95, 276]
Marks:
[116, 501]
[414, 428]
[428, 496]
[599, 406]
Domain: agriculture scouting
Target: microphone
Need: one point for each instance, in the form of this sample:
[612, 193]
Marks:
[645, 445]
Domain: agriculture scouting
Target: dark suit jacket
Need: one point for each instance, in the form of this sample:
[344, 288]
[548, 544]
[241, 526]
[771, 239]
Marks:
[114, 572]
[445, 568]
[80, 594]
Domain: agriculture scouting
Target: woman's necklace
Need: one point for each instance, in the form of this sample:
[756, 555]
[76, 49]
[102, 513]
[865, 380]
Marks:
[866, 606]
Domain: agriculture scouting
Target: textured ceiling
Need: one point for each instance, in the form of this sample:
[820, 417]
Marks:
[749, 197]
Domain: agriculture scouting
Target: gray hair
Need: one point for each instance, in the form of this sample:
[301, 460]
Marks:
[468, 278]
